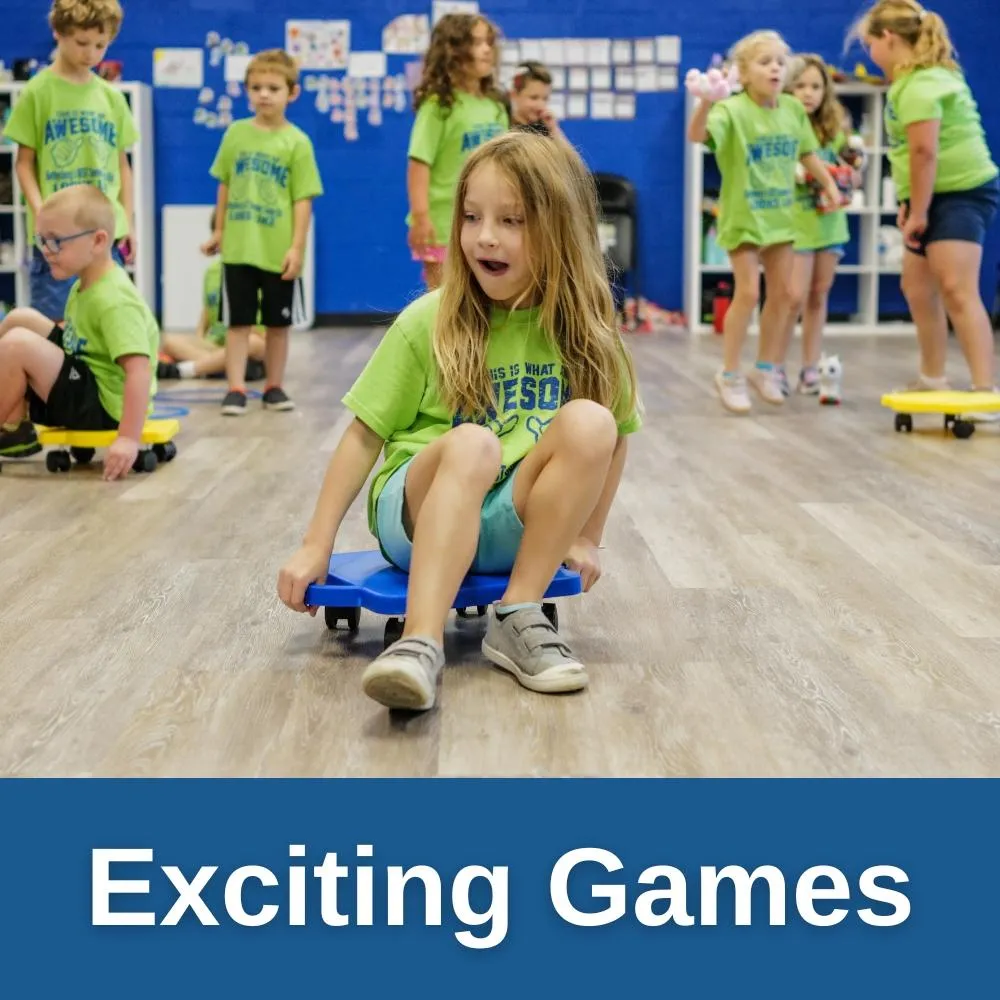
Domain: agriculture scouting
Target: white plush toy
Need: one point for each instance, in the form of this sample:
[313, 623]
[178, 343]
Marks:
[715, 85]
[831, 375]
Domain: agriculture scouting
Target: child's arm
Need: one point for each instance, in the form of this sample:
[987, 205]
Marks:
[27, 177]
[698, 129]
[127, 199]
[418, 190]
[214, 243]
[922, 138]
[122, 453]
[301, 217]
[347, 472]
[817, 168]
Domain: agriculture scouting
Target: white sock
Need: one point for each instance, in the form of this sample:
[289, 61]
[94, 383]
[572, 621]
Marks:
[186, 369]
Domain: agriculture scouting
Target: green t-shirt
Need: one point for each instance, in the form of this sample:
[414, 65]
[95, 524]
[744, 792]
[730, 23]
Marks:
[757, 150]
[266, 172]
[814, 231]
[78, 132]
[106, 322]
[396, 394]
[938, 94]
[443, 139]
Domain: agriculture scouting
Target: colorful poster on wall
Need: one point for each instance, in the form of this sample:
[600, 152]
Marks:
[179, 68]
[408, 34]
[319, 44]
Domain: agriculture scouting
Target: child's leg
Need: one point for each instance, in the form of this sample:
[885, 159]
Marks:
[778, 263]
[927, 309]
[798, 289]
[746, 294]
[26, 359]
[275, 354]
[185, 347]
[237, 351]
[25, 319]
[956, 265]
[816, 307]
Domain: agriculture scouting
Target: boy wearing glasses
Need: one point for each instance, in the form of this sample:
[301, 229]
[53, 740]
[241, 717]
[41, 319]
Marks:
[96, 371]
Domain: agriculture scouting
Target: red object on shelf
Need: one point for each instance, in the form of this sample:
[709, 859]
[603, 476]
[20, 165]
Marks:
[720, 305]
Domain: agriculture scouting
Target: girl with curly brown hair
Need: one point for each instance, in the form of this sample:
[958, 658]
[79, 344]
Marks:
[459, 106]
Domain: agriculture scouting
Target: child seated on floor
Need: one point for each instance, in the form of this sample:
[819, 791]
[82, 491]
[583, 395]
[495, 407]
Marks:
[204, 354]
[95, 370]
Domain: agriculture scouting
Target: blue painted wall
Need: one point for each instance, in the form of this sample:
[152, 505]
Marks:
[362, 260]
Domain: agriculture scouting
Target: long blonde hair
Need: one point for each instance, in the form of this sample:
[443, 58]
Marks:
[559, 200]
[921, 29]
[830, 118]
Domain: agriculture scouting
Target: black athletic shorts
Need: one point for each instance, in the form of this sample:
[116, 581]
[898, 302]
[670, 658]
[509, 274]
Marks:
[74, 401]
[253, 297]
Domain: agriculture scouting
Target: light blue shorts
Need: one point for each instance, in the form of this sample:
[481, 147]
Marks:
[836, 248]
[500, 529]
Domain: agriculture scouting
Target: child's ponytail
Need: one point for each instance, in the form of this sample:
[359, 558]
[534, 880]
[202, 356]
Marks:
[924, 30]
[933, 46]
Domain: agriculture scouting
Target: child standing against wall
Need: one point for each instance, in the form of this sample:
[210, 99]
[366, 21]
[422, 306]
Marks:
[820, 237]
[71, 127]
[758, 136]
[268, 178]
[459, 106]
[529, 96]
[946, 182]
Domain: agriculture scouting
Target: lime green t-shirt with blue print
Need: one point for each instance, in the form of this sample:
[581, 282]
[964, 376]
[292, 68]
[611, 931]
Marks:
[815, 230]
[443, 138]
[266, 171]
[105, 322]
[938, 94]
[397, 397]
[757, 150]
[78, 132]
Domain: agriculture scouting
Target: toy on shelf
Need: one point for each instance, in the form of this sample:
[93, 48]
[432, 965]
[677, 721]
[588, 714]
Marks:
[831, 375]
[853, 153]
[715, 85]
[843, 176]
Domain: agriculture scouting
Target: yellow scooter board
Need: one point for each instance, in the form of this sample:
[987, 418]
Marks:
[953, 406]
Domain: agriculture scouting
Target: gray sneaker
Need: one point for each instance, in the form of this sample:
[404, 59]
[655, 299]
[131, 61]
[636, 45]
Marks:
[526, 645]
[405, 675]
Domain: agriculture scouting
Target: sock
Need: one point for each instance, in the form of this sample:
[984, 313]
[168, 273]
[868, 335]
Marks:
[185, 369]
[503, 610]
[764, 366]
[10, 428]
[729, 374]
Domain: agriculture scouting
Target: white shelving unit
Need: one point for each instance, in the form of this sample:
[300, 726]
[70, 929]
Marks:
[14, 260]
[868, 270]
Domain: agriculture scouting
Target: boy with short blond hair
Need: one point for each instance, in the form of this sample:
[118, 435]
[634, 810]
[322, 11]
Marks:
[96, 371]
[267, 174]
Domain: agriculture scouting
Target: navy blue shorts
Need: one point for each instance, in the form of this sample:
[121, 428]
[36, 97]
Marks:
[960, 215]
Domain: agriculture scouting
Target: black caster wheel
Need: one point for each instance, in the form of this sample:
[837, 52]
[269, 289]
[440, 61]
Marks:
[963, 429]
[467, 612]
[351, 617]
[82, 456]
[165, 452]
[904, 422]
[552, 613]
[393, 632]
[145, 461]
[57, 461]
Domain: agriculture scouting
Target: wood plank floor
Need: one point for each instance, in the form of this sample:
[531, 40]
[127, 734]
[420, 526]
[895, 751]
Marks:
[803, 592]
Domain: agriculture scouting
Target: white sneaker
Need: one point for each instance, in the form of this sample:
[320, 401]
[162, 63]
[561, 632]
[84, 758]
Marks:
[988, 416]
[732, 391]
[924, 383]
[405, 675]
[767, 382]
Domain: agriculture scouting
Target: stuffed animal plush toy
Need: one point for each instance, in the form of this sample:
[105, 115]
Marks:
[831, 374]
[715, 85]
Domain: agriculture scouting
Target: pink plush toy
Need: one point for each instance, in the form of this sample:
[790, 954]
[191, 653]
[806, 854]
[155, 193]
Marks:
[715, 85]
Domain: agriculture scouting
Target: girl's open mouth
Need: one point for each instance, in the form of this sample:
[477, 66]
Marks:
[497, 267]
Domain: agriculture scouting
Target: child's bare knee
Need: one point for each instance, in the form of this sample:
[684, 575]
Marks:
[590, 426]
[474, 452]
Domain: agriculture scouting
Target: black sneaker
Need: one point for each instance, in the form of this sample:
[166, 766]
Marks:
[255, 370]
[235, 403]
[20, 442]
[167, 370]
[276, 399]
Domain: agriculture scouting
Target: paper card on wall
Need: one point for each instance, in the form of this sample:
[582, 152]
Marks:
[366, 65]
[576, 106]
[233, 88]
[507, 74]
[624, 105]
[645, 50]
[625, 78]
[318, 44]
[442, 7]
[599, 51]
[579, 78]
[236, 68]
[510, 52]
[206, 96]
[600, 78]
[602, 105]
[557, 105]
[558, 74]
[621, 52]
[667, 78]
[179, 68]
[575, 51]
[668, 50]
[553, 52]
[407, 34]
[531, 49]
[646, 79]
